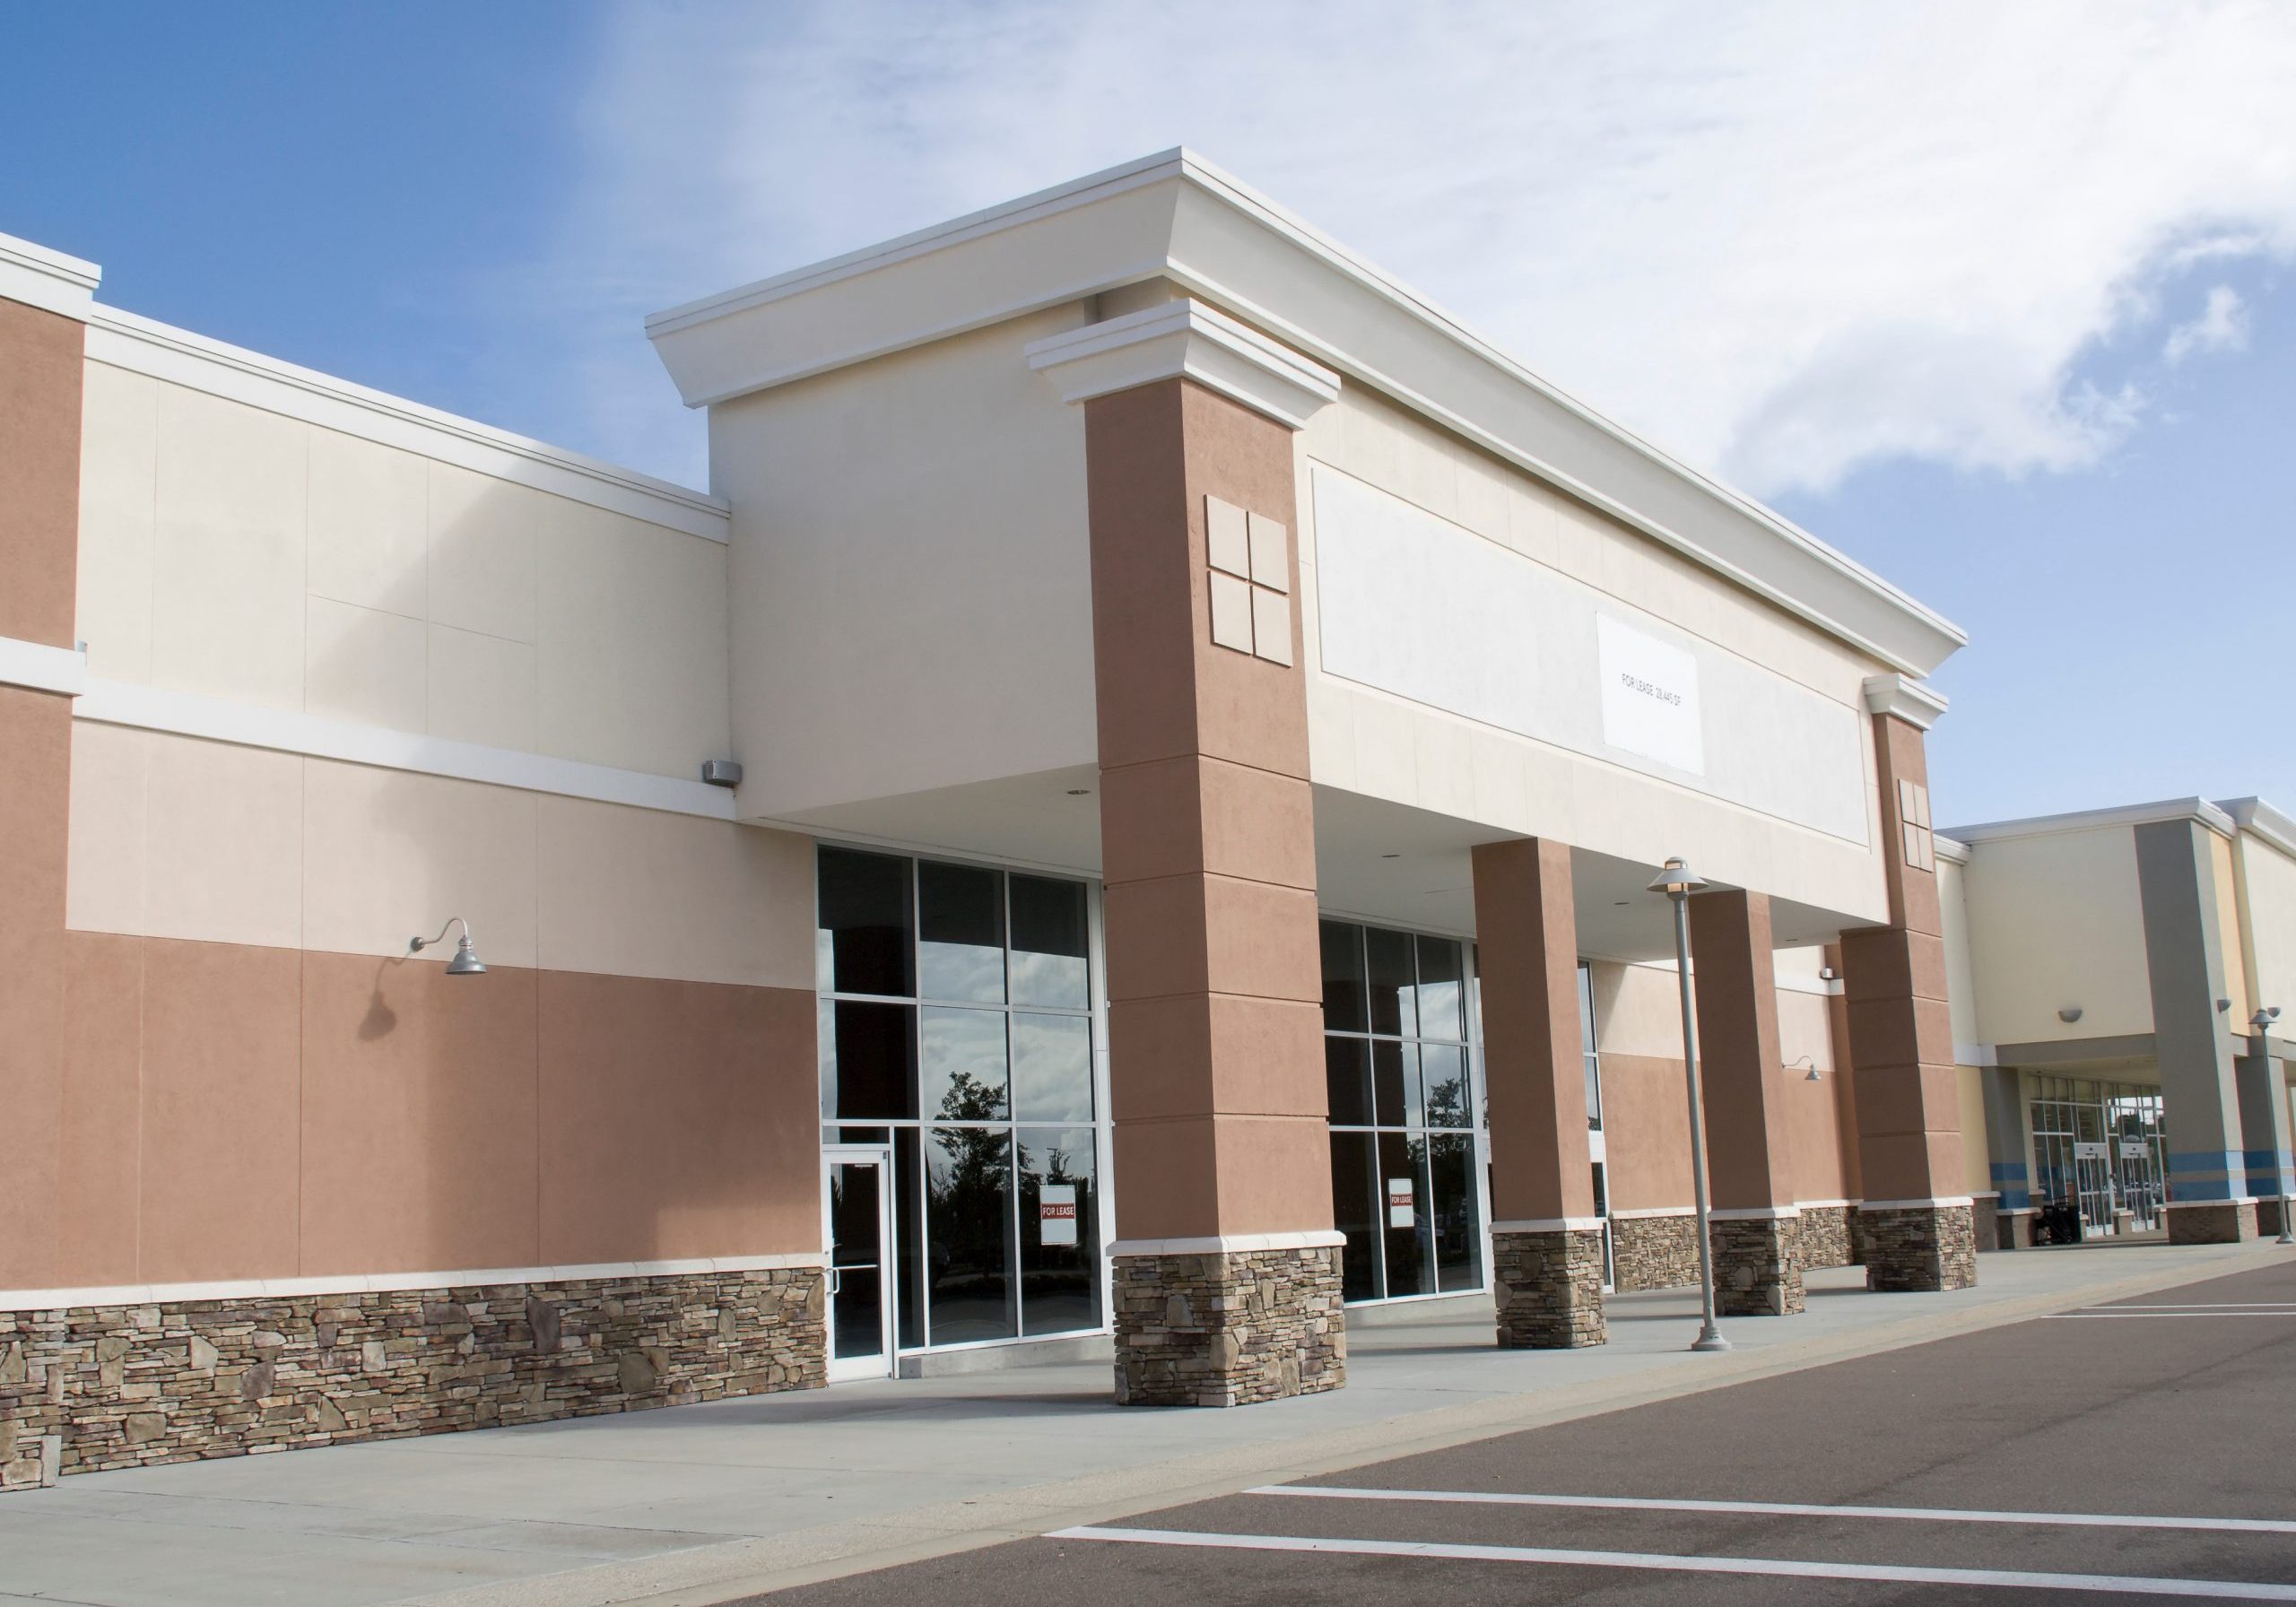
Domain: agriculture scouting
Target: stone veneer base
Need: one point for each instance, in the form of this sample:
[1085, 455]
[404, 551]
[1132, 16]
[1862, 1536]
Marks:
[1549, 1288]
[1758, 1266]
[1653, 1252]
[1825, 1237]
[2212, 1222]
[1911, 1248]
[1228, 1328]
[114, 1386]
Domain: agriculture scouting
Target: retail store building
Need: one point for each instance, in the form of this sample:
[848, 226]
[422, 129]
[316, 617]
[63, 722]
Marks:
[1205, 723]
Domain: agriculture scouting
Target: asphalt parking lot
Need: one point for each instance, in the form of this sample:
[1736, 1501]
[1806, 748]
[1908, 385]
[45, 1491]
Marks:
[2121, 1452]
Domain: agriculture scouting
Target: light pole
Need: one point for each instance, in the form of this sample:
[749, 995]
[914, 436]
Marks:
[2262, 1021]
[1678, 882]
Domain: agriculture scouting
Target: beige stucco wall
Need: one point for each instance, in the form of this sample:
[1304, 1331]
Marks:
[911, 576]
[173, 836]
[1386, 746]
[2268, 884]
[2230, 930]
[240, 554]
[1961, 970]
[2055, 921]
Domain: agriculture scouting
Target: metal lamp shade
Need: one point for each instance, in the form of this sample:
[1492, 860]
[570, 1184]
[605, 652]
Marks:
[465, 963]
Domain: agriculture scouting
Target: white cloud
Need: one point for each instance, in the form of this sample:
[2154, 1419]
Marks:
[2222, 326]
[1783, 243]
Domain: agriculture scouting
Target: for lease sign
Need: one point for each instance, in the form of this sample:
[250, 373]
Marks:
[1056, 1214]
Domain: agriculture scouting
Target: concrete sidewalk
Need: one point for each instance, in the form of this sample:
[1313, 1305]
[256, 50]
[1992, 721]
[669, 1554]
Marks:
[701, 1503]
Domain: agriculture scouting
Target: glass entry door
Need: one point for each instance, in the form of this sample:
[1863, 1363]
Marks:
[856, 1207]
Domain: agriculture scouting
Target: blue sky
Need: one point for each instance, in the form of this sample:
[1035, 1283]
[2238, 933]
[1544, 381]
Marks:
[1998, 304]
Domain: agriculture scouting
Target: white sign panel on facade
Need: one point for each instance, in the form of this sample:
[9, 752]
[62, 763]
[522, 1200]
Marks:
[1649, 696]
[1428, 611]
[2135, 1149]
[1400, 1213]
[1056, 1214]
[2083, 1149]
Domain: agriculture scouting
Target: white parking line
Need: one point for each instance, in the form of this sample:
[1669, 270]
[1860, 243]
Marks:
[2222, 1590]
[2196, 1305]
[1938, 1515]
[2133, 1315]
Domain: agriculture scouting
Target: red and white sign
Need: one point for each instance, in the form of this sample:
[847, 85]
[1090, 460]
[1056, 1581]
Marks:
[1056, 1214]
[1400, 1213]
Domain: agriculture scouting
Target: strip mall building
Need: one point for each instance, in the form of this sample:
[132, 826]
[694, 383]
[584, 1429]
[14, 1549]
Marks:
[1206, 723]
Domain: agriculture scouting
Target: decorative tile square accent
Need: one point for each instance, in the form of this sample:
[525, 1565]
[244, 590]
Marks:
[1913, 825]
[1271, 625]
[1231, 612]
[1271, 553]
[1226, 538]
[1250, 557]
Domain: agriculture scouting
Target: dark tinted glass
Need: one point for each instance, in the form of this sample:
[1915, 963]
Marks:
[1395, 1083]
[960, 1065]
[969, 1224]
[1394, 979]
[1052, 1067]
[1060, 1233]
[1458, 1226]
[1355, 1212]
[960, 932]
[858, 1305]
[1048, 965]
[863, 945]
[909, 1236]
[1408, 1226]
[866, 1053]
[1347, 1079]
[1441, 974]
[1345, 1006]
[1443, 1075]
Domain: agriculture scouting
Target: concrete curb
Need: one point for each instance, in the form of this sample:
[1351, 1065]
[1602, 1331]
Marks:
[711, 1574]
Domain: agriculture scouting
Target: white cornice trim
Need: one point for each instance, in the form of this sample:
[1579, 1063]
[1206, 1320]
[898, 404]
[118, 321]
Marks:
[49, 280]
[1947, 849]
[1941, 1201]
[252, 1288]
[1916, 702]
[43, 668]
[1244, 254]
[1228, 1244]
[1551, 1224]
[2100, 819]
[1185, 339]
[142, 345]
[2256, 816]
[1756, 1213]
[286, 730]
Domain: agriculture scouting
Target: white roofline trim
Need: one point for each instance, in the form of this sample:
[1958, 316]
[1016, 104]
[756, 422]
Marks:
[1916, 702]
[2254, 815]
[2097, 819]
[49, 280]
[1184, 338]
[142, 345]
[1922, 638]
[1947, 849]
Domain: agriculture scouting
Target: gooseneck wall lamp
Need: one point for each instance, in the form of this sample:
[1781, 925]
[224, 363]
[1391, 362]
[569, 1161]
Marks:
[465, 963]
[1677, 881]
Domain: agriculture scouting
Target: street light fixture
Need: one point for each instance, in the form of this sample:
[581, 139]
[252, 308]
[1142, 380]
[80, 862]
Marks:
[1678, 882]
[2262, 1021]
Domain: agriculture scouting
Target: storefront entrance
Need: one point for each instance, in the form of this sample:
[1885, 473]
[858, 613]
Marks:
[856, 1207]
[2099, 1150]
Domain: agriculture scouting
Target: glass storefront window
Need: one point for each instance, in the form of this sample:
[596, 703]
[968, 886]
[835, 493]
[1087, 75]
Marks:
[1404, 1112]
[972, 1052]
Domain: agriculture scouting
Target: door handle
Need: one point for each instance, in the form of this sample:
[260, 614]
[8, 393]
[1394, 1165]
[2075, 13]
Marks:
[836, 1281]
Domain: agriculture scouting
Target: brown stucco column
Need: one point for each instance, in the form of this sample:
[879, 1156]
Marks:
[1916, 1223]
[41, 361]
[1757, 1235]
[1227, 1278]
[1546, 1242]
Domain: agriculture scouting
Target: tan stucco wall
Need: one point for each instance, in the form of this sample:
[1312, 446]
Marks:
[1383, 745]
[173, 836]
[238, 553]
[1960, 969]
[910, 574]
[2055, 921]
[2268, 905]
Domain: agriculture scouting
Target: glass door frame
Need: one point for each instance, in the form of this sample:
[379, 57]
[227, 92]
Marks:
[884, 1364]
